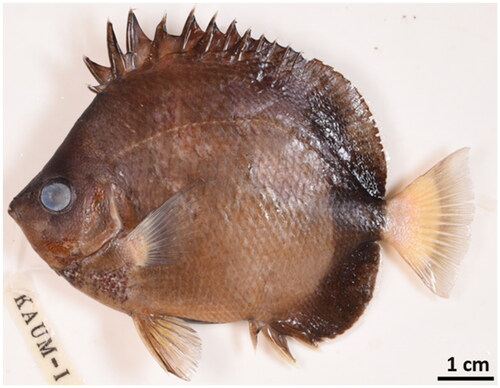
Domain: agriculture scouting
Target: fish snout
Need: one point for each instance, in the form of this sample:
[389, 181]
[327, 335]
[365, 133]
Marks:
[12, 210]
[19, 207]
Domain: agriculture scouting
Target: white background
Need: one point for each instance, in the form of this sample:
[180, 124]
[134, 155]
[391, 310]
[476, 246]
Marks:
[428, 72]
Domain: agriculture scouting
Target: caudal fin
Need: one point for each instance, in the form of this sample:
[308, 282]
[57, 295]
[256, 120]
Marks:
[428, 222]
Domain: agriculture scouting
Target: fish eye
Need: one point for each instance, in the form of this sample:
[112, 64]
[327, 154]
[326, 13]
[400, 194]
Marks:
[55, 196]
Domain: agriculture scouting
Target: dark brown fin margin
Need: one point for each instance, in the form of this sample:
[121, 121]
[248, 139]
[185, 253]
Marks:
[339, 302]
[342, 120]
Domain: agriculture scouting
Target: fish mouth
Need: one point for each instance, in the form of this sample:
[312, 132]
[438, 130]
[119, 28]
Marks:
[16, 216]
[12, 213]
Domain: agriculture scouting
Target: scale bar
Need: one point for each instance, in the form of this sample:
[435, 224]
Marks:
[466, 378]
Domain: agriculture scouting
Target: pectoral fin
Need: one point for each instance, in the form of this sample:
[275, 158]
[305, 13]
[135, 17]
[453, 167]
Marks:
[163, 237]
[172, 342]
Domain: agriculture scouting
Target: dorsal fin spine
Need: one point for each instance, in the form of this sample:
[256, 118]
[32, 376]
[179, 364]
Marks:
[129, 59]
[230, 33]
[138, 44]
[242, 44]
[206, 40]
[270, 52]
[131, 31]
[189, 27]
[115, 54]
[96, 89]
[297, 57]
[135, 34]
[260, 44]
[160, 34]
[101, 73]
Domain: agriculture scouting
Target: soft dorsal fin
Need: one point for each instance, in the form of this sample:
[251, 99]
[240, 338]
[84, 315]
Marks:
[342, 119]
[171, 341]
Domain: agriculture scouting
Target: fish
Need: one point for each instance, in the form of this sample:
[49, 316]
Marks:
[217, 178]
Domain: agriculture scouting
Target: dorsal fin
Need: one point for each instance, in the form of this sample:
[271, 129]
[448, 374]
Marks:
[337, 112]
[343, 121]
[193, 40]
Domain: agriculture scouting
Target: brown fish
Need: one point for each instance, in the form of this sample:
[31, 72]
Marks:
[218, 178]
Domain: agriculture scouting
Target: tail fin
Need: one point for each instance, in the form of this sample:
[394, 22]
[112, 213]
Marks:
[428, 222]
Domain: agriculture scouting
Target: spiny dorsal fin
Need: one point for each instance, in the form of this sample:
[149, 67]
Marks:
[193, 40]
[172, 342]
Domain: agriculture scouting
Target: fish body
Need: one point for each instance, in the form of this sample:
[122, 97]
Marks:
[262, 189]
[218, 178]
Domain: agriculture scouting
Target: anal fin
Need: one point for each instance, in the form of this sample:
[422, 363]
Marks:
[277, 339]
[171, 341]
[280, 342]
[333, 308]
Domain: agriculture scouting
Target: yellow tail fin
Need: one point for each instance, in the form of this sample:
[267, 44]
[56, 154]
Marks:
[428, 222]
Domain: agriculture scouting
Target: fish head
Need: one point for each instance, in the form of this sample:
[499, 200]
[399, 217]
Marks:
[66, 213]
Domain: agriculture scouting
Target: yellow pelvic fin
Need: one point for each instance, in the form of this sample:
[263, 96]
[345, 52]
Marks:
[171, 341]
